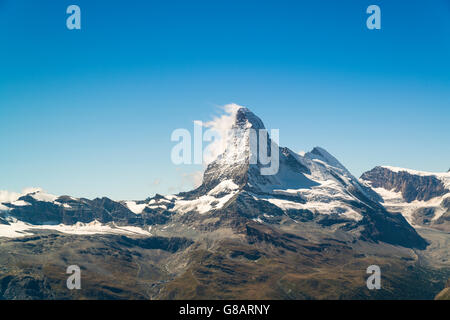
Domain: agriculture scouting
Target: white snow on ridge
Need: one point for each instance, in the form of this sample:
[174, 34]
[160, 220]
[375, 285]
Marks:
[20, 203]
[320, 207]
[417, 172]
[37, 193]
[43, 196]
[65, 205]
[158, 206]
[326, 158]
[394, 202]
[325, 189]
[134, 207]
[443, 176]
[202, 204]
[18, 228]
[158, 201]
[14, 230]
[171, 197]
[224, 186]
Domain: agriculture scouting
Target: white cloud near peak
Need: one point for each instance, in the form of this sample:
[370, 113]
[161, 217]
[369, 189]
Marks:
[220, 127]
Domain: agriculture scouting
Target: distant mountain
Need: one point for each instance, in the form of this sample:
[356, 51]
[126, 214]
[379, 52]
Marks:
[39, 210]
[422, 197]
[307, 231]
[312, 187]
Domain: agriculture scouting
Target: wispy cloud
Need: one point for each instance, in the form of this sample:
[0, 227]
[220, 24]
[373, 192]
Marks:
[10, 196]
[221, 127]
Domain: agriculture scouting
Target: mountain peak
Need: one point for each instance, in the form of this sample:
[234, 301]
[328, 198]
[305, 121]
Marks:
[237, 191]
[247, 119]
[325, 156]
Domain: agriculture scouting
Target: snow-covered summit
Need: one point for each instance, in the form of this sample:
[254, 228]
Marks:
[443, 176]
[312, 187]
[10, 199]
[315, 181]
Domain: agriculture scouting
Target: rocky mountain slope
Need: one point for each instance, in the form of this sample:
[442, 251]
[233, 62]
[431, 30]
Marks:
[445, 293]
[422, 197]
[311, 187]
[307, 231]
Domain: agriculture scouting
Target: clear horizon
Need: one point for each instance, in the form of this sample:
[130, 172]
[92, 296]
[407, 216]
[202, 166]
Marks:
[90, 112]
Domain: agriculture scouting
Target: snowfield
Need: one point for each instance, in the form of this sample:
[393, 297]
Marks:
[16, 229]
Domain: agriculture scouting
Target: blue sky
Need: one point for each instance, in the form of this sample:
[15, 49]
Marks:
[90, 112]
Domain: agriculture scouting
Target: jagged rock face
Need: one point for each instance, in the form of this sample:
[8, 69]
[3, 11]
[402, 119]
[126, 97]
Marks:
[391, 228]
[234, 163]
[69, 211]
[312, 187]
[305, 222]
[23, 288]
[422, 198]
[412, 187]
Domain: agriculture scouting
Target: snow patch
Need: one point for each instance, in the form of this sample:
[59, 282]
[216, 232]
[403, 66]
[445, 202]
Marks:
[37, 193]
[14, 230]
[202, 204]
[18, 228]
[394, 202]
[443, 176]
[134, 207]
[329, 206]
[224, 186]
[43, 196]
[20, 203]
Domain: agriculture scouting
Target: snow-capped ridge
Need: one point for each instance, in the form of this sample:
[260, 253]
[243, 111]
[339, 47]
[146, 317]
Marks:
[417, 172]
[443, 176]
[37, 193]
[16, 229]
[314, 177]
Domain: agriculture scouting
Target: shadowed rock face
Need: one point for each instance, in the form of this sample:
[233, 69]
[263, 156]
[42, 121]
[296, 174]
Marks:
[312, 187]
[252, 247]
[412, 187]
[103, 210]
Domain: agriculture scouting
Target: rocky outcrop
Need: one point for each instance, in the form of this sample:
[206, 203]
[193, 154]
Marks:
[412, 187]
[341, 201]
[422, 197]
[312, 187]
[67, 210]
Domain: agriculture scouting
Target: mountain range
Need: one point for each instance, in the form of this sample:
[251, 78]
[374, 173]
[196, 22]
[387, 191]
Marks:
[309, 231]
